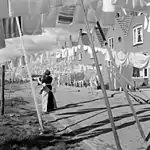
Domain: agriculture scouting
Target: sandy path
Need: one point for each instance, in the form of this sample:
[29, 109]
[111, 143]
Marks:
[86, 115]
[88, 118]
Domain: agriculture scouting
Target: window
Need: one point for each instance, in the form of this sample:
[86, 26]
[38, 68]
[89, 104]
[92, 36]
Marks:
[145, 73]
[80, 56]
[111, 42]
[138, 73]
[138, 35]
[108, 63]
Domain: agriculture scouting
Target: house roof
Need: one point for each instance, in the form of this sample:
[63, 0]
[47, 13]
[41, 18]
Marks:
[124, 23]
[85, 39]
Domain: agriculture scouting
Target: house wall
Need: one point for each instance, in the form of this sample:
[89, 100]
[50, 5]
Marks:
[117, 32]
[126, 45]
[145, 47]
[87, 60]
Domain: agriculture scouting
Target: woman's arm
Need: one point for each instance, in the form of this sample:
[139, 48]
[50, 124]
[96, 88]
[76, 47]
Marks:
[39, 81]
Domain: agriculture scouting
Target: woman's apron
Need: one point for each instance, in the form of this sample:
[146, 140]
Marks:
[45, 98]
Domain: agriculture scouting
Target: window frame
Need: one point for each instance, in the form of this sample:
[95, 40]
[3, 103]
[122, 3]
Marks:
[111, 44]
[142, 74]
[135, 35]
[80, 56]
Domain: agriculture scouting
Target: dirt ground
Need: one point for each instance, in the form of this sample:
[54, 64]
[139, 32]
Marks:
[81, 119]
[19, 127]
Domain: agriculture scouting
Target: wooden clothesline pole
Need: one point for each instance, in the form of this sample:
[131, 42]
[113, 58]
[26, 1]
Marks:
[2, 90]
[30, 77]
[122, 83]
[101, 81]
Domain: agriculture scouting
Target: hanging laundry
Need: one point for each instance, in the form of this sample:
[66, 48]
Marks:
[56, 3]
[49, 19]
[4, 9]
[138, 60]
[91, 16]
[23, 62]
[39, 6]
[33, 57]
[120, 58]
[66, 14]
[127, 72]
[2, 36]
[145, 22]
[69, 2]
[28, 58]
[79, 14]
[133, 5]
[108, 13]
[148, 27]
[15, 62]
[6, 65]
[10, 27]
[32, 25]
[26, 7]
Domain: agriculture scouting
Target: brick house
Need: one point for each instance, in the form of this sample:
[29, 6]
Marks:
[128, 35]
[84, 57]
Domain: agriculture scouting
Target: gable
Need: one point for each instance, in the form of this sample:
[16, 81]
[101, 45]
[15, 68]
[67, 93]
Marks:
[125, 23]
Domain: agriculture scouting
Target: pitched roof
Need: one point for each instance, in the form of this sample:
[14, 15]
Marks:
[85, 39]
[125, 23]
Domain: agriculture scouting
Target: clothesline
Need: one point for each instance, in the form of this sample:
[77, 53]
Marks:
[138, 60]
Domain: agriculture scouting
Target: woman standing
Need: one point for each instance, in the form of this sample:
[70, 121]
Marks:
[48, 100]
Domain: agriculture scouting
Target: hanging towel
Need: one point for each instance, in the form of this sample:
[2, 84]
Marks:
[11, 28]
[127, 72]
[108, 14]
[32, 25]
[148, 28]
[79, 14]
[66, 14]
[105, 13]
[15, 62]
[26, 7]
[23, 63]
[33, 57]
[4, 9]
[133, 5]
[138, 60]
[49, 19]
[120, 58]
[145, 22]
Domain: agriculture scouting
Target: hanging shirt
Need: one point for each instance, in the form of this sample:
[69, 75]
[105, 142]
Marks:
[10, 27]
[26, 7]
[32, 25]
[4, 10]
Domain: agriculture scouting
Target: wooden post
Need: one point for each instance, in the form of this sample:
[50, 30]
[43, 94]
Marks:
[123, 85]
[101, 81]
[30, 77]
[2, 89]
[120, 73]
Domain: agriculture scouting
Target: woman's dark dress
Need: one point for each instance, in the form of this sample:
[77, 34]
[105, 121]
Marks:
[50, 103]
